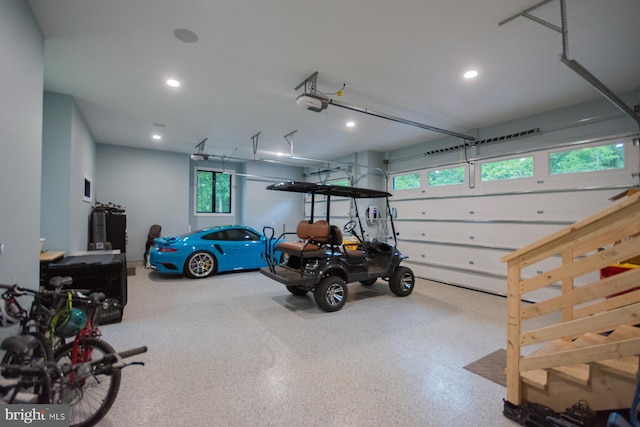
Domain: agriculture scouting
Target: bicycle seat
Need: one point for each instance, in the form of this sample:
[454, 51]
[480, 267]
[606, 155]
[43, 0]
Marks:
[59, 282]
[19, 345]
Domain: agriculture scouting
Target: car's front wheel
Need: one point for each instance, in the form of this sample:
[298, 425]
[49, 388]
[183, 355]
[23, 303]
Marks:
[331, 293]
[200, 264]
[402, 281]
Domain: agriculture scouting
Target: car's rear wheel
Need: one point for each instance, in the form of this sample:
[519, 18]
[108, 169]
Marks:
[402, 281]
[331, 293]
[297, 290]
[200, 264]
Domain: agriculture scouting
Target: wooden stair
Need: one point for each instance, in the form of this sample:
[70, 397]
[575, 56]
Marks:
[592, 353]
[604, 384]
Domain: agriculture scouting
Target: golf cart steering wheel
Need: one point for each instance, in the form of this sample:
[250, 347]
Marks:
[350, 227]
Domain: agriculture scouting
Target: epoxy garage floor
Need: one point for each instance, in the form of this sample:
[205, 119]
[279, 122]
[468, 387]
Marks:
[239, 350]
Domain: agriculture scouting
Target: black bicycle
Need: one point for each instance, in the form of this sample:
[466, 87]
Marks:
[61, 382]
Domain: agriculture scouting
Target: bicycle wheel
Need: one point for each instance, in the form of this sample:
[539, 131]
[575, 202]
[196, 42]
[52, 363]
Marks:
[89, 395]
[42, 353]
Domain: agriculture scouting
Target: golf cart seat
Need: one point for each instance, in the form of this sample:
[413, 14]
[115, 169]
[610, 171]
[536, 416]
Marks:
[337, 243]
[313, 236]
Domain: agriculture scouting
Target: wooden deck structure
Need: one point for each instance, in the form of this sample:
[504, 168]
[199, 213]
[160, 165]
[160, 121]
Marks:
[592, 352]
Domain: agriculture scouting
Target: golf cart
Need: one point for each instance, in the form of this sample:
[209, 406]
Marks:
[322, 262]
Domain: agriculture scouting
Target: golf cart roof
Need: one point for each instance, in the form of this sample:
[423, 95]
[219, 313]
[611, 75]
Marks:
[327, 190]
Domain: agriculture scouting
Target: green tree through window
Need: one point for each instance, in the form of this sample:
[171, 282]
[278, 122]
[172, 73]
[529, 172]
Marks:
[587, 159]
[449, 176]
[213, 192]
[406, 182]
[507, 169]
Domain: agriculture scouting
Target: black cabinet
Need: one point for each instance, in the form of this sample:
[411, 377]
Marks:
[117, 231]
[106, 273]
[106, 226]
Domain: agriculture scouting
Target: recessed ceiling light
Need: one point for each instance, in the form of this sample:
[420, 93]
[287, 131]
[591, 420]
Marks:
[351, 124]
[173, 83]
[156, 137]
[470, 74]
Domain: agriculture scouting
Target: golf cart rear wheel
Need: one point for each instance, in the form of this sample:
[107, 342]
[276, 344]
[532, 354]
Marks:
[297, 290]
[402, 281]
[331, 293]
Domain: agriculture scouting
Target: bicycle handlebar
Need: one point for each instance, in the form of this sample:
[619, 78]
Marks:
[109, 361]
[133, 352]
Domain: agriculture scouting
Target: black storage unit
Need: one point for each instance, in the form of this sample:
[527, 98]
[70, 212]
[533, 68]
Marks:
[106, 273]
[108, 226]
[117, 231]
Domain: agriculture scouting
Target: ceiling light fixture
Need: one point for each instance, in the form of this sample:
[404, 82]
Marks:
[173, 82]
[351, 124]
[156, 137]
[471, 74]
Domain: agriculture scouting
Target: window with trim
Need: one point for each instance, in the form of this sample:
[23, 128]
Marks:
[212, 192]
[507, 169]
[450, 176]
[406, 182]
[587, 159]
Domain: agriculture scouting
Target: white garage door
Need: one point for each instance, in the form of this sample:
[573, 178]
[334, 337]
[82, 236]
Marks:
[457, 222]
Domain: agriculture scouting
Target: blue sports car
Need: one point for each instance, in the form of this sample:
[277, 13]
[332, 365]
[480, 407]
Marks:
[205, 252]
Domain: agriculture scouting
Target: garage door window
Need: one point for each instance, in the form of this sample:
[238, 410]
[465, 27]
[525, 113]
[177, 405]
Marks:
[406, 182]
[451, 176]
[521, 167]
[587, 159]
[213, 192]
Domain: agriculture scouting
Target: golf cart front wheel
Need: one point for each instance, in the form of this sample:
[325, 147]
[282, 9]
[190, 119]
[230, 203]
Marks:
[402, 281]
[331, 293]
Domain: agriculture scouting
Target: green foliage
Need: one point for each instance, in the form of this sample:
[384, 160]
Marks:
[507, 169]
[406, 182]
[587, 159]
[213, 192]
[449, 176]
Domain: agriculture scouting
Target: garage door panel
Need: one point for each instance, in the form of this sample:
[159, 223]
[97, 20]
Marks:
[503, 235]
[339, 208]
[475, 281]
[566, 206]
[476, 259]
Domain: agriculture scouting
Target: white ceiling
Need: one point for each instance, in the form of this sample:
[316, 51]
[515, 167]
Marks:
[403, 58]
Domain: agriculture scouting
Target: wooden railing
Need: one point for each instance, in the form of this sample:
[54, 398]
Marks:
[603, 239]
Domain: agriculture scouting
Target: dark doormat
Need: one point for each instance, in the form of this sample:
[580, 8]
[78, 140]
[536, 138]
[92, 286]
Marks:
[491, 367]
[131, 271]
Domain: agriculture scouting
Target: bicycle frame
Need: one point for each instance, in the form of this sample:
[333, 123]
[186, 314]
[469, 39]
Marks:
[90, 330]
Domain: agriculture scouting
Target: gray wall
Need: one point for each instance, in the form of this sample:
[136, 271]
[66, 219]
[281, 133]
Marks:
[68, 156]
[21, 86]
[263, 207]
[153, 186]
[156, 187]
